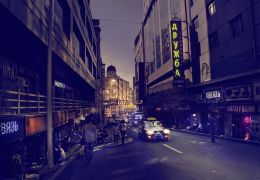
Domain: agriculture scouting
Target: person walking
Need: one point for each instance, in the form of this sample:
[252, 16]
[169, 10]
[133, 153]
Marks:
[123, 131]
[89, 136]
[17, 165]
[116, 133]
[212, 122]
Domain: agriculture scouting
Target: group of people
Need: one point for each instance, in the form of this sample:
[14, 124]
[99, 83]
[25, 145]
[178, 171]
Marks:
[119, 130]
[89, 133]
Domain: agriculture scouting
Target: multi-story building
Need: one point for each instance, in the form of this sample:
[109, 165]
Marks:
[154, 58]
[117, 94]
[140, 73]
[228, 51]
[223, 76]
[29, 30]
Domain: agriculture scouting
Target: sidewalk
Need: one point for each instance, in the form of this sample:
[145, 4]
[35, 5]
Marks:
[46, 173]
[218, 137]
[52, 174]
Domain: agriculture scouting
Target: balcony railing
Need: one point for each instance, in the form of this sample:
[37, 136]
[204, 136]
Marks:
[16, 102]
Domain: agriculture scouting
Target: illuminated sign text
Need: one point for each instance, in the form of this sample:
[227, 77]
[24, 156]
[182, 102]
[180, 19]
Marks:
[177, 52]
[9, 127]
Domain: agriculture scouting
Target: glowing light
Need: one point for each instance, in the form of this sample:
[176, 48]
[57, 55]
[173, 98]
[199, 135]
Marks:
[247, 119]
[149, 132]
[177, 51]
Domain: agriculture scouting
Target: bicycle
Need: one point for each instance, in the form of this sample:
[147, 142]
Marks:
[89, 149]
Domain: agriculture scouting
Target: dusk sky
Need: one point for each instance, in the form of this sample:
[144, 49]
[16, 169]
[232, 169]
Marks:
[120, 23]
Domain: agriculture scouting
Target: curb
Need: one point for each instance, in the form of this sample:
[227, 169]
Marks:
[48, 173]
[219, 137]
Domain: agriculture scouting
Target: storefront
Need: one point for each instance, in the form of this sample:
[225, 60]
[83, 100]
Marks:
[36, 132]
[11, 141]
[240, 121]
[235, 108]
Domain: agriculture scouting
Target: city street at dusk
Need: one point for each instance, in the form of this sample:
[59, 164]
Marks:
[177, 81]
[185, 156]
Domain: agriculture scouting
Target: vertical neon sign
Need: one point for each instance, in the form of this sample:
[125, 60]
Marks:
[177, 52]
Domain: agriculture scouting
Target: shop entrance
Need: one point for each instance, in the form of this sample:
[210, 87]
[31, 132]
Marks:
[236, 126]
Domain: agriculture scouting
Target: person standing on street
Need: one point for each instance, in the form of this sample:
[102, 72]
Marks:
[89, 135]
[123, 131]
[17, 165]
[212, 122]
[116, 133]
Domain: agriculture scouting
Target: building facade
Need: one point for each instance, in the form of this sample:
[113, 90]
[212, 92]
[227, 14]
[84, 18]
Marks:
[27, 31]
[154, 55]
[229, 67]
[220, 63]
[117, 95]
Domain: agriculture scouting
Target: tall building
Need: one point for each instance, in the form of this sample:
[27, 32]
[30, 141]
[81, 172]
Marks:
[154, 58]
[220, 62]
[228, 57]
[117, 94]
[26, 34]
[139, 81]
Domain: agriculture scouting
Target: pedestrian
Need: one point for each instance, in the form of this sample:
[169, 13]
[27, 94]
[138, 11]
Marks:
[17, 165]
[123, 131]
[212, 122]
[116, 133]
[89, 136]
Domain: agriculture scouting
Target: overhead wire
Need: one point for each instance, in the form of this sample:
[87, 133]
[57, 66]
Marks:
[120, 21]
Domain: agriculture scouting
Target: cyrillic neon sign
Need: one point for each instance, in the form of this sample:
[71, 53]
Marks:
[177, 52]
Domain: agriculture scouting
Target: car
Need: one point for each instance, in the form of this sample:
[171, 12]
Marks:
[152, 129]
[136, 118]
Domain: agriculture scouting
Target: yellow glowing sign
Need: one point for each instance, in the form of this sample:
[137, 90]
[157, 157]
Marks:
[177, 51]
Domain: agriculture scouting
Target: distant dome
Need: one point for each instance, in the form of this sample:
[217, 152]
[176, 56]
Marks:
[111, 68]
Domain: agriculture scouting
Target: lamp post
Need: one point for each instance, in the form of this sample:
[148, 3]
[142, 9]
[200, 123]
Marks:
[49, 88]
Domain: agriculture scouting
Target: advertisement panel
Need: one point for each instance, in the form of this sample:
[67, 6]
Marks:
[177, 52]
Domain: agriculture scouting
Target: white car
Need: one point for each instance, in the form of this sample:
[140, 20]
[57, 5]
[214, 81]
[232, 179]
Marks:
[152, 129]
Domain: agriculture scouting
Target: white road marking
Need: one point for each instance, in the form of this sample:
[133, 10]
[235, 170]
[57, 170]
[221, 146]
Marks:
[176, 150]
[202, 142]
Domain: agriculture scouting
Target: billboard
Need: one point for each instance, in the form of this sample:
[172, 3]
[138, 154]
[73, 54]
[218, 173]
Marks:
[177, 52]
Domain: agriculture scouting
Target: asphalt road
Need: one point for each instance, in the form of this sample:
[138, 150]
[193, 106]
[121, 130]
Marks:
[184, 156]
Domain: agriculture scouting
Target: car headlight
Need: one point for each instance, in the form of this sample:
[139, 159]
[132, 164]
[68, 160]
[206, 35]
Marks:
[166, 131]
[149, 132]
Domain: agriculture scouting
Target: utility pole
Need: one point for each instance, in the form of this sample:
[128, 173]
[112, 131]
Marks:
[49, 87]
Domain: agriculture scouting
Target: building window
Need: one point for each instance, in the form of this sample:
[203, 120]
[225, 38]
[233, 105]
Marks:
[90, 35]
[191, 3]
[89, 60]
[195, 22]
[81, 43]
[65, 14]
[237, 25]
[213, 40]
[94, 71]
[211, 8]
[82, 10]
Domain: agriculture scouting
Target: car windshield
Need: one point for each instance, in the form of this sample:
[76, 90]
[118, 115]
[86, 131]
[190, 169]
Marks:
[152, 124]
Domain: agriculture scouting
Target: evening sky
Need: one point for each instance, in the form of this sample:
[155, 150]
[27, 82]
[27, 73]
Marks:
[120, 24]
